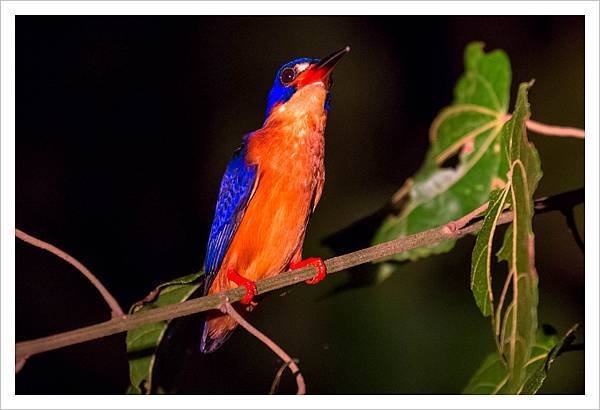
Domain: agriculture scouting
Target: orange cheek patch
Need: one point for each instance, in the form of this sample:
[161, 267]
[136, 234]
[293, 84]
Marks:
[311, 76]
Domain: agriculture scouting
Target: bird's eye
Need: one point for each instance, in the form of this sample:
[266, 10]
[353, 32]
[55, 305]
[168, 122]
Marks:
[287, 75]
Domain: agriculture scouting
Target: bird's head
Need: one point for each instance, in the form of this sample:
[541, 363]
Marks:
[304, 76]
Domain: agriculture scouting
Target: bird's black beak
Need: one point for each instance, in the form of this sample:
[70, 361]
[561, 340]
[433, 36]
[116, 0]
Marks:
[321, 71]
[326, 65]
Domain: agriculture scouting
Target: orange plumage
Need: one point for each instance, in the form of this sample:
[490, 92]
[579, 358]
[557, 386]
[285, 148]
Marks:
[270, 189]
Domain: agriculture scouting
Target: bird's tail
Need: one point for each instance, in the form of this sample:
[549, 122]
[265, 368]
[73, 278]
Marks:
[217, 329]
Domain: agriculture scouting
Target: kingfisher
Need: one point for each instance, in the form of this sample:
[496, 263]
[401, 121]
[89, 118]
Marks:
[269, 191]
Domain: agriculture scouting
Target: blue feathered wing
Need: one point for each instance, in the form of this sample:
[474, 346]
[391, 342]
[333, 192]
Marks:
[237, 187]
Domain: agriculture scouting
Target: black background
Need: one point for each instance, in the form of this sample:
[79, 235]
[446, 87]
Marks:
[124, 127]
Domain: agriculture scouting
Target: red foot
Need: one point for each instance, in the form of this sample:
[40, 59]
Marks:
[242, 281]
[317, 263]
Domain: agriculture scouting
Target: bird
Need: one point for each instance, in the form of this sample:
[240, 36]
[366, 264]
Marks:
[269, 191]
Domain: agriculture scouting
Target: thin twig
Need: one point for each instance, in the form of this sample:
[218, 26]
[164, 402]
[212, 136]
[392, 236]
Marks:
[228, 309]
[569, 215]
[459, 223]
[551, 130]
[127, 322]
[402, 192]
[20, 363]
[554, 131]
[277, 378]
[110, 300]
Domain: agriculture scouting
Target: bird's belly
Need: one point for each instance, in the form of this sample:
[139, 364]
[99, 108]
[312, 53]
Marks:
[271, 231]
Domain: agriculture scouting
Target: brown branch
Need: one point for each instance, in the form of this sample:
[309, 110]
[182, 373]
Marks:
[228, 309]
[108, 298]
[335, 264]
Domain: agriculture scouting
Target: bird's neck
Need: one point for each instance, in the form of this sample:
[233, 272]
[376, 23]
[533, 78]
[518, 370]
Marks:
[303, 113]
[293, 130]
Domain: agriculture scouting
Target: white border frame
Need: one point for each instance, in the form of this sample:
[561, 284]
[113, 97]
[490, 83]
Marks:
[10, 8]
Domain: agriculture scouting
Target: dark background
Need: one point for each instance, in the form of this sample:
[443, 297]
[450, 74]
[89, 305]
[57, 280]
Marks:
[125, 125]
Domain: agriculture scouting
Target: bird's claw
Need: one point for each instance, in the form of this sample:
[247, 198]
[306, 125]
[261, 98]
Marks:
[316, 263]
[250, 286]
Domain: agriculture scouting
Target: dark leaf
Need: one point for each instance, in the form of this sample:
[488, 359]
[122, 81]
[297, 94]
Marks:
[143, 342]
[492, 376]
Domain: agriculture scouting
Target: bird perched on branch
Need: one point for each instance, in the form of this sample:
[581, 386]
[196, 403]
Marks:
[269, 191]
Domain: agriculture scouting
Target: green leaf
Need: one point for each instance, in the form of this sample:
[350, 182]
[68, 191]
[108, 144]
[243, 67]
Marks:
[490, 378]
[493, 375]
[540, 363]
[516, 144]
[469, 128]
[143, 342]
[486, 80]
[520, 319]
[519, 152]
[481, 275]
[515, 319]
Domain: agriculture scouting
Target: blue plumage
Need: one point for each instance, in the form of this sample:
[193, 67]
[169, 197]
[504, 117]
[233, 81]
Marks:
[236, 188]
[280, 93]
